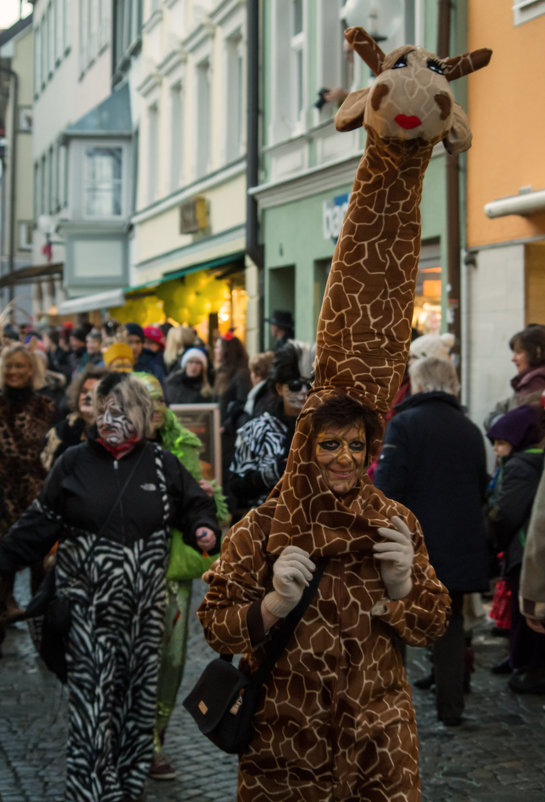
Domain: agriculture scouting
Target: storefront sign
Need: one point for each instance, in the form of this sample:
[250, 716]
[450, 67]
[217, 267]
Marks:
[333, 212]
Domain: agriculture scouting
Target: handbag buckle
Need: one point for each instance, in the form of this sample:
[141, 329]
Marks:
[235, 707]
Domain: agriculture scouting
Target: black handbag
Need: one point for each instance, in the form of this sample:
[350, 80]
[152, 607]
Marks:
[224, 699]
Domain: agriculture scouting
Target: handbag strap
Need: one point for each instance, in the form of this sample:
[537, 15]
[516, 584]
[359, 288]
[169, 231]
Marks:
[280, 639]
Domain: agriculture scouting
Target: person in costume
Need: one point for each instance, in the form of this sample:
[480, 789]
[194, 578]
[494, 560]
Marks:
[169, 433]
[25, 417]
[119, 358]
[263, 443]
[72, 430]
[335, 719]
[111, 502]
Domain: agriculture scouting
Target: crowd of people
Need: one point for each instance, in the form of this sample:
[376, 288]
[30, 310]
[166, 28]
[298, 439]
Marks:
[85, 422]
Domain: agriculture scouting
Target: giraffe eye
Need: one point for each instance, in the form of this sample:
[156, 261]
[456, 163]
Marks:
[401, 62]
[435, 66]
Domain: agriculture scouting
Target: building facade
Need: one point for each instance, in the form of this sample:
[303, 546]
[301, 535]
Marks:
[16, 195]
[505, 260]
[308, 167]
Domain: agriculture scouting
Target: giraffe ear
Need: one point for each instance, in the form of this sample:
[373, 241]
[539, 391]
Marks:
[458, 139]
[350, 115]
[458, 66]
[366, 48]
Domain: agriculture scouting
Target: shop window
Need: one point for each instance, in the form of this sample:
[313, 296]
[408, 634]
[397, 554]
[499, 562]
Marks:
[25, 235]
[427, 306]
[534, 283]
[321, 274]
[102, 178]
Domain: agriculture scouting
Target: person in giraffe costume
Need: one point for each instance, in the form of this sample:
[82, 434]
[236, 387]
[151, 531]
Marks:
[335, 720]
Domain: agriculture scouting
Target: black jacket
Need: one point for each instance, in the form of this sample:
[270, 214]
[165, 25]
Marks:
[510, 513]
[433, 461]
[183, 389]
[84, 486]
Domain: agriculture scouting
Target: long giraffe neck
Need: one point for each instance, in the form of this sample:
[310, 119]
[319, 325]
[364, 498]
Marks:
[365, 323]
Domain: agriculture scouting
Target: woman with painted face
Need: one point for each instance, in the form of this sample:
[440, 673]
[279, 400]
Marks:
[25, 417]
[73, 429]
[171, 435]
[111, 501]
[339, 687]
[263, 443]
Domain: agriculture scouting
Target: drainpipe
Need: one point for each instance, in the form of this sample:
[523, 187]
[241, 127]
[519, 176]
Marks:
[12, 177]
[453, 207]
[253, 249]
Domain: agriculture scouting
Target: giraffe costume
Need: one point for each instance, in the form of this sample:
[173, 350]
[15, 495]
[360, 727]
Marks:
[336, 721]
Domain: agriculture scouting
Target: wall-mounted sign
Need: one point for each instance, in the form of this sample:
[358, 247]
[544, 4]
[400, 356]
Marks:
[193, 215]
[333, 212]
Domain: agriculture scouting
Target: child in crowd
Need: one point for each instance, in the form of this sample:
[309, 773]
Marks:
[515, 438]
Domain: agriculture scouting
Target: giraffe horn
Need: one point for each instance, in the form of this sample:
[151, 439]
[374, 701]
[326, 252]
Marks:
[366, 48]
[458, 66]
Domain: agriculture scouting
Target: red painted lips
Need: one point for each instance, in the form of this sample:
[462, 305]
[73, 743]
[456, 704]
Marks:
[408, 122]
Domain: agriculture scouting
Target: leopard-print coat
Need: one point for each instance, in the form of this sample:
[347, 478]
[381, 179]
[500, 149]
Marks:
[24, 422]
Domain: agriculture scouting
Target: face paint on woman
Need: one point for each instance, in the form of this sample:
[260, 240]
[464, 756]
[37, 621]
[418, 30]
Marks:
[114, 427]
[340, 454]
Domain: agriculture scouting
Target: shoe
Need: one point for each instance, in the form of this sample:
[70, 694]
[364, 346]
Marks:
[160, 768]
[503, 667]
[425, 683]
[531, 681]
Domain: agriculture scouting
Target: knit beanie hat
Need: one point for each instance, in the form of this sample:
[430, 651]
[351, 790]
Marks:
[194, 353]
[520, 427]
[437, 345]
[155, 334]
[135, 329]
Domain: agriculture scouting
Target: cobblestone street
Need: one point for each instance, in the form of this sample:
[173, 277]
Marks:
[497, 754]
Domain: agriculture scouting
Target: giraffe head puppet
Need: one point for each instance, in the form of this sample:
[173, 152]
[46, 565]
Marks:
[364, 327]
[411, 98]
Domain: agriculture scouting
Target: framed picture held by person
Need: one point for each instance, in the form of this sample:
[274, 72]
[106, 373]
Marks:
[204, 421]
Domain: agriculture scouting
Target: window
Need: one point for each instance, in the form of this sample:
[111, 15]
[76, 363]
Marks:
[289, 91]
[52, 176]
[234, 94]
[83, 38]
[297, 59]
[176, 136]
[25, 235]
[36, 209]
[67, 24]
[51, 40]
[127, 26]
[43, 186]
[526, 10]
[37, 61]
[203, 118]
[102, 181]
[153, 152]
[104, 23]
[59, 29]
[43, 50]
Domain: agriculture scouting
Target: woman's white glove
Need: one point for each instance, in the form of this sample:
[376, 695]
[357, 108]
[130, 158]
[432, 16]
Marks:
[292, 572]
[396, 556]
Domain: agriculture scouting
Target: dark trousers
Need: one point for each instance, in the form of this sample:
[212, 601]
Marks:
[526, 647]
[449, 664]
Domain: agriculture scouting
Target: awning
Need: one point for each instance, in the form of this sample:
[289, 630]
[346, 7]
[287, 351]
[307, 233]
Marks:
[31, 273]
[236, 259]
[88, 303]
